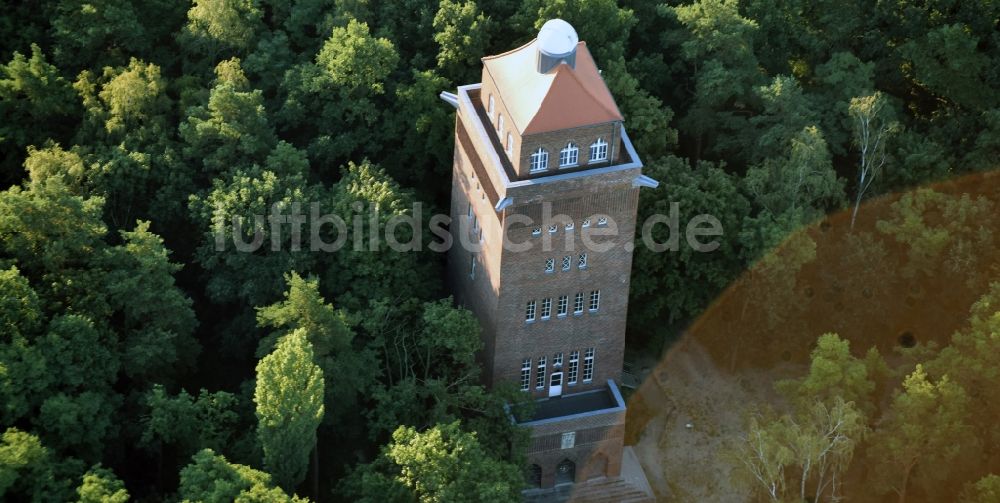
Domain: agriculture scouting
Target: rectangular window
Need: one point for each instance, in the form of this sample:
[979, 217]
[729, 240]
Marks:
[595, 300]
[563, 305]
[582, 263]
[526, 374]
[578, 304]
[557, 360]
[510, 144]
[550, 265]
[529, 312]
[574, 367]
[491, 106]
[567, 262]
[500, 125]
[588, 365]
[540, 375]
[472, 266]
[546, 308]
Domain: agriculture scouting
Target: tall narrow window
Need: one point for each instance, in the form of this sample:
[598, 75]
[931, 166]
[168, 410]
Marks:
[492, 106]
[599, 150]
[578, 303]
[470, 210]
[550, 265]
[540, 375]
[563, 305]
[557, 360]
[574, 367]
[539, 160]
[546, 308]
[595, 300]
[526, 374]
[472, 266]
[529, 311]
[567, 262]
[569, 156]
[510, 144]
[588, 365]
[500, 125]
[582, 263]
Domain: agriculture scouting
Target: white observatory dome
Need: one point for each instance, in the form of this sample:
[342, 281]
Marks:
[557, 38]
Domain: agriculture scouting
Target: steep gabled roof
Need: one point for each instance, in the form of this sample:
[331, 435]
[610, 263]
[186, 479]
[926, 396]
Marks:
[562, 98]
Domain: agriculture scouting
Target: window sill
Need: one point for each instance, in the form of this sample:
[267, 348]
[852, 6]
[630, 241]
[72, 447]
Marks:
[567, 166]
[529, 322]
[561, 316]
[546, 318]
[597, 161]
[578, 313]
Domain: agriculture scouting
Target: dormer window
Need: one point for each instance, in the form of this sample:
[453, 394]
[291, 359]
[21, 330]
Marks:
[492, 106]
[599, 150]
[569, 156]
[510, 144]
[539, 160]
[500, 125]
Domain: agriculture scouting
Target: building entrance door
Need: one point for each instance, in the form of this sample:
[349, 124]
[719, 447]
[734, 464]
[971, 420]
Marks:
[555, 384]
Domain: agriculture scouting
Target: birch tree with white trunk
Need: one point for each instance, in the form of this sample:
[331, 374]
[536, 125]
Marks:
[871, 131]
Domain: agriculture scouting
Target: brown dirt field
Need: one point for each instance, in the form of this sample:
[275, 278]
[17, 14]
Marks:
[762, 328]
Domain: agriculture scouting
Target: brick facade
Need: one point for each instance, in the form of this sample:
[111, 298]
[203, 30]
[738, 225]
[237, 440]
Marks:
[507, 205]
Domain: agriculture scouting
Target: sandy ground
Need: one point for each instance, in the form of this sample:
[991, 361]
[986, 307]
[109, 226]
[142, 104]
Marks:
[687, 464]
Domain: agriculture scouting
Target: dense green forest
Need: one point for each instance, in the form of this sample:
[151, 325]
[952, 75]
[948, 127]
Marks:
[139, 361]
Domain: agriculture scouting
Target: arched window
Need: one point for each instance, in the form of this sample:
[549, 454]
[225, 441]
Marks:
[535, 476]
[500, 125]
[569, 156]
[565, 472]
[510, 144]
[599, 150]
[491, 107]
[539, 160]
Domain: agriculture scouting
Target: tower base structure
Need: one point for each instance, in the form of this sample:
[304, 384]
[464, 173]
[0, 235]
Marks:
[577, 450]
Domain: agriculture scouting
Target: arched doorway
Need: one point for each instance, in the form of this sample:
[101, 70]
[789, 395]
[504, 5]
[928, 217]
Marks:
[535, 476]
[598, 467]
[565, 472]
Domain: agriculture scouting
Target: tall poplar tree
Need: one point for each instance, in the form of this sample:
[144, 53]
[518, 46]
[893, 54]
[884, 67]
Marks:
[289, 398]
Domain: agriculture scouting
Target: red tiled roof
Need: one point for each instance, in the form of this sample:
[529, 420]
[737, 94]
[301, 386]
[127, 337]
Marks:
[562, 98]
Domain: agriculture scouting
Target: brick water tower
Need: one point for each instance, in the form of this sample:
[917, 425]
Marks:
[544, 194]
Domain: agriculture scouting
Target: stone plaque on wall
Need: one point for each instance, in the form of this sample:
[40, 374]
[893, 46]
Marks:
[568, 440]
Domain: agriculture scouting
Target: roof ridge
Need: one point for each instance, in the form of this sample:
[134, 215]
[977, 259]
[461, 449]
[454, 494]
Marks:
[587, 89]
[502, 54]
